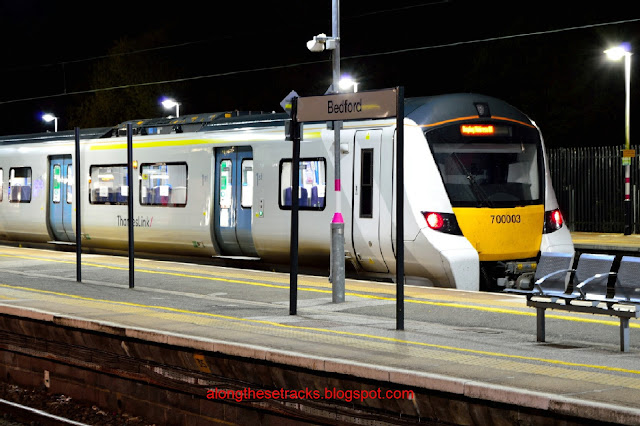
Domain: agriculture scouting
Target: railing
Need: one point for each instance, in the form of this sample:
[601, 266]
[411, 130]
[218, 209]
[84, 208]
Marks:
[589, 185]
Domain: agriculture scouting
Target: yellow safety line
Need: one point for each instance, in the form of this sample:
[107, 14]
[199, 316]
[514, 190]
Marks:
[328, 331]
[360, 295]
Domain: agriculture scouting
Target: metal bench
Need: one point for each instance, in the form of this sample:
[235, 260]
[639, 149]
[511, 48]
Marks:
[590, 293]
[548, 271]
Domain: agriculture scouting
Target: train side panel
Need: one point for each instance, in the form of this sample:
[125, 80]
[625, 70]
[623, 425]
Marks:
[22, 220]
[560, 240]
[271, 224]
[444, 260]
[158, 228]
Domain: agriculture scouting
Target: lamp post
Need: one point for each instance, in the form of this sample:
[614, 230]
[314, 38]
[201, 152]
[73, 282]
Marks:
[318, 44]
[49, 118]
[170, 103]
[617, 53]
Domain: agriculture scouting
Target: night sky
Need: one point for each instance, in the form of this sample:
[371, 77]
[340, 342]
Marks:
[542, 57]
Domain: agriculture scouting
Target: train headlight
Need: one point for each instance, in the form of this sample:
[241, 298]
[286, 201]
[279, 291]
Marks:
[553, 221]
[443, 222]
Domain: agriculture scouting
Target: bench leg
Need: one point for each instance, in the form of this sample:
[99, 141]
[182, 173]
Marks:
[540, 324]
[624, 334]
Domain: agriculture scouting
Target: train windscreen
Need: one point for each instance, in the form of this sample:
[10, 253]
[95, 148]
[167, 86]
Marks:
[489, 165]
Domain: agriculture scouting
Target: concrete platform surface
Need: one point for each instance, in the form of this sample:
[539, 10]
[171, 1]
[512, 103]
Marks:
[481, 345]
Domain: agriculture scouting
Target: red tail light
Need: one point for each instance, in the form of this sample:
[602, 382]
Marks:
[553, 221]
[434, 220]
[443, 222]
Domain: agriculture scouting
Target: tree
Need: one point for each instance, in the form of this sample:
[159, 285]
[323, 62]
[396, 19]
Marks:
[125, 84]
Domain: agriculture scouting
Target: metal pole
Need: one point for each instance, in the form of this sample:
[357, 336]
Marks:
[78, 215]
[130, 202]
[400, 210]
[627, 167]
[337, 224]
[295, 207]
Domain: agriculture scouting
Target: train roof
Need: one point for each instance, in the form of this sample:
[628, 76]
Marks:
[442, 109]
[429, 111]
[93, 133]
[200, 122]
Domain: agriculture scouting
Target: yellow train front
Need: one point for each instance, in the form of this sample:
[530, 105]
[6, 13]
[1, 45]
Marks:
[492, 163]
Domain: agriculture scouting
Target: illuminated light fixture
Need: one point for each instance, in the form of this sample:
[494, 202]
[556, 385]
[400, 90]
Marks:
[135, 164]
[171, 103]
[434, 220]
[442, 222]
[553, 221]
[49, 118]
[618, 52]
[347, 83]
[477, 129]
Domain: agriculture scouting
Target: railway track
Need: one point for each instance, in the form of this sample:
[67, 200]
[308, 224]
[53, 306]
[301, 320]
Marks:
[39, 407]
[16, 414]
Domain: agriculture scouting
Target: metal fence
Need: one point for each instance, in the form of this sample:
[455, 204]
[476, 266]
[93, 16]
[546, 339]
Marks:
[589, 185]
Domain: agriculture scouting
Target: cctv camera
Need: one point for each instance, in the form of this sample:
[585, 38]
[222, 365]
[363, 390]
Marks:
[318, 42]
[315, 46]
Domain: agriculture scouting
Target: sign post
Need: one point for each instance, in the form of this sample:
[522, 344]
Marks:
[295, 136]
[130, 204]
[384, 103]
[78, 211]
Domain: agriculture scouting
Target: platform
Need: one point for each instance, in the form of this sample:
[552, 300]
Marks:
[479, 345]
[603, 242]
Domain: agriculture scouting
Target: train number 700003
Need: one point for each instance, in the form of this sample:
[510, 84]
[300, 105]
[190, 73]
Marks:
[505, 218]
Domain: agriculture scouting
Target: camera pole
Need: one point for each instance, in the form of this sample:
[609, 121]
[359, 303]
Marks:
[337, 224]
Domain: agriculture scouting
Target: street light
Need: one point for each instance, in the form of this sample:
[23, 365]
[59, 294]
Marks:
[347, 83]
[318, 44]
[617, 53]
[49, 118]
[170, 103]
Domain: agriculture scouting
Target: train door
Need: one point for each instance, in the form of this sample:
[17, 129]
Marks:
[61, 198]
[233, 201]
[366, 201]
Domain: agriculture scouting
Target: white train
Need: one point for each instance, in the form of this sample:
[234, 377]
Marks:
[479, 205]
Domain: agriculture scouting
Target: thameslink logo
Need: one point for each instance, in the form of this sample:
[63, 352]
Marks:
[141, 222]
[344, 107]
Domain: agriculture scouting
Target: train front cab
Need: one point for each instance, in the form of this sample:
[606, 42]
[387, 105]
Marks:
[493, 172]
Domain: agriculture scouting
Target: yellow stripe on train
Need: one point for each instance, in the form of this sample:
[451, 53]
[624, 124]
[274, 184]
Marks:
[502, 234]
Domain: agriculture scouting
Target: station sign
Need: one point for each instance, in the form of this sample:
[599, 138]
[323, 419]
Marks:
[348, 106]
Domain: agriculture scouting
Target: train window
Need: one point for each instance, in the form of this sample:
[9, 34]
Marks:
[163, 184]
[246, 192]
[1, 184]
[366, 183]
[57, 184]
[19, 190]
[313, 182]
[226, 184]
[70, 181]
[109, 184]
[501, 170]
